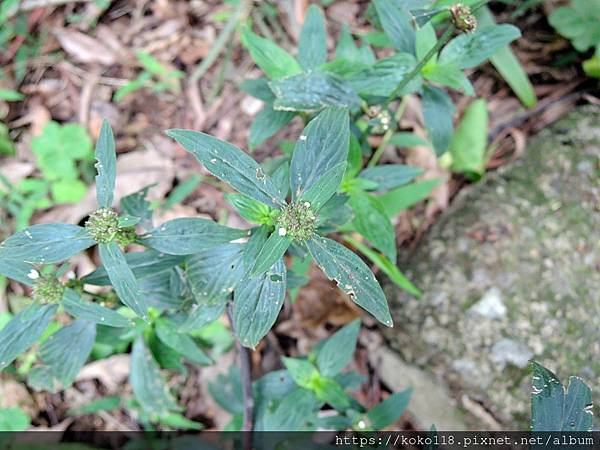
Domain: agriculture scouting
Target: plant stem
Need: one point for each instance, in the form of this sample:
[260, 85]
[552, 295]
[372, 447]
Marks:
[246, 375]
[407, 79]
[389, 133]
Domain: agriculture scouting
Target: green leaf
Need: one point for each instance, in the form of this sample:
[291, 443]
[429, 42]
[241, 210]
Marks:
[274, 61]
[449, 75]
[507, 64]
[322, 145]
[406, 139]
[23, 331]
[66, 351]
[92, 312]
[106, 166]
[181, 343]
[301, 370]
[14, 419]
[336, 353]
[371, 221]
[230, 164]
[425, 40]
[266, 123]
[201, 315]
[258, 88]
[397, 24]
[20, 271]
[438, 110]
[329, 391]
[122, 278]
[46, 243]
[293, 413]
[149, 386]
[348, 52]
[189, 235]
[386, 266]
[351, 275]
[578, 22]
[251, 210]
[136, 205]
[469, 143]
[256, 304]
[382, 78]
[271, 252]
[179, 422]
[404, 197]
[320, 192]
[182, 191]
[471, 49]
[68, 191]
[214, 273]
[312, 47]
[390, 176]
[312, 92]
[389, 410]
[142, 264]
[554, 408]
[9, 95]
[102, 404]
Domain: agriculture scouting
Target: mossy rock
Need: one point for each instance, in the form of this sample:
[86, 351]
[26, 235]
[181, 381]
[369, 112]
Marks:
[511, 272]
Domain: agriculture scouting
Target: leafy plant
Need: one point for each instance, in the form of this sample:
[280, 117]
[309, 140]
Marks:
[292, 399]
[59, 151]
[155, 76]
[579, 22]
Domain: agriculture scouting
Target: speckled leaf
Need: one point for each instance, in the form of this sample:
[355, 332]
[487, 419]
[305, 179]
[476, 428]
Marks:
[201, 315]
[313, 91]
[397, 24]
[352, 275]
[181, 343]
[256, 304]
[214, 273]
[438, 111]
[149, 386]
[312, 47]
[323, 145]
[189, 235]
[136, 205]
[142, 264]
[17, 270]
[273, 249]
[382, 78]
[92, 312]
[66, 351]
[46, 243]
[23, 331]
[106, 166]
[320, 192]
[230, 164]
[471, 49]
[122, 279]
[554, 408]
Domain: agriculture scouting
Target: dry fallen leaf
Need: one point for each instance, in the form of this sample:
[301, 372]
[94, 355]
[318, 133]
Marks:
[111, 372]
[84, 48]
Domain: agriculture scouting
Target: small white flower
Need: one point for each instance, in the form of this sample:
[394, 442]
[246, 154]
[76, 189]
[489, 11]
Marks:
[362, 425]
[282, 231]
[33, 274]
[307, 204]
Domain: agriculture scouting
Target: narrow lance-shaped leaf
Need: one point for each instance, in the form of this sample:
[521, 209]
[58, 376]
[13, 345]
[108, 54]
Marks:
[352, 276]
[92, 312]
[230, 164]
[469, 143]
[312, 47]
[389, 410]
[122, 279]
[189, 235]
[397, 24]
[390, 176]
[438, 110]
[149, 386]
[106, 166]
[266, 123]
[136, 205]
[201, 315]
[271, 252]
[322, 145]
[46, 243]
[320, 192]
[180, 342]
[382, 78]
[336, 353]
[67, 350]
[23, 331]
[256, 304]
[272, 59]
[17, 270]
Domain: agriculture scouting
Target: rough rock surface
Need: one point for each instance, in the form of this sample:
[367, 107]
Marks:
[512, 272]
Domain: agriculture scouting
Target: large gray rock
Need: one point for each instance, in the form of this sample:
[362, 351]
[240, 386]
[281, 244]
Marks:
[512, 272]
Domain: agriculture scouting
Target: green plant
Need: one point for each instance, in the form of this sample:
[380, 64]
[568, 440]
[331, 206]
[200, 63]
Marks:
[23, 199]
[291, 399]
[579, 23]
[60, 150]
[155, 76]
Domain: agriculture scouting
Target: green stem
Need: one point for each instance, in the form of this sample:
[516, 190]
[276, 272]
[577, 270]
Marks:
[407, 79]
